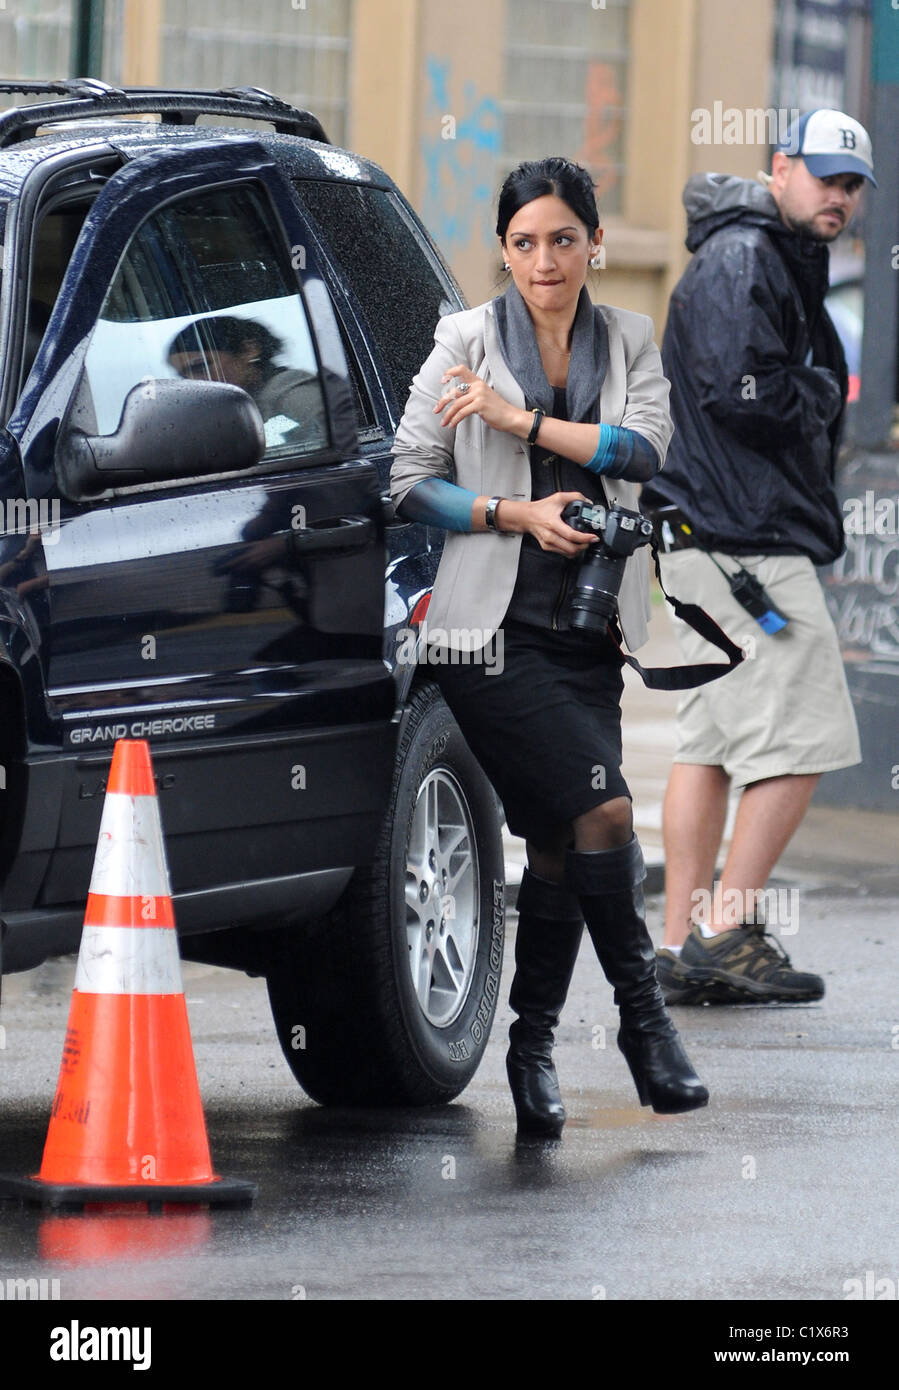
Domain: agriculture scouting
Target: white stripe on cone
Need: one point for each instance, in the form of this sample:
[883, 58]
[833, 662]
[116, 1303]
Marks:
[128, 960]
[130, 858]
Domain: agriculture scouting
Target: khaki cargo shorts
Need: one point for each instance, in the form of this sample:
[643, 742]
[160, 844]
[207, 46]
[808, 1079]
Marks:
[786, 709]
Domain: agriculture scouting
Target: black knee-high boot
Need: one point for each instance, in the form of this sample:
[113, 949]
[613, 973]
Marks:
[608, 884]
[549, 932]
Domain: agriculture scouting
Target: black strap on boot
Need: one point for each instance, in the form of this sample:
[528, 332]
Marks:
[590, 872]
[554, 902]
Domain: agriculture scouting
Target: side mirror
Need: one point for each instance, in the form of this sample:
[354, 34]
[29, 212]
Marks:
[169, 429]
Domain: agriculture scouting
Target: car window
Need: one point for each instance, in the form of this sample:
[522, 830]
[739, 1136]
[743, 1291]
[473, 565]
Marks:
[202, 291]
[365, 409]
[395, 282]
[54, 242]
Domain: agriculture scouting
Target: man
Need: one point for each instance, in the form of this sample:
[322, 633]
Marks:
[759, 386]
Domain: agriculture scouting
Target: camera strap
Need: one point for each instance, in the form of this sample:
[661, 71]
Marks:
[686, 677]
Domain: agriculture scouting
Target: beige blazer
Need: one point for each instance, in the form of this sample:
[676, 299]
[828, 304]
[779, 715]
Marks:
[477, 570]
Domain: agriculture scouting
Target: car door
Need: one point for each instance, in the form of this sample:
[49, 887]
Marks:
[391, 299]
[234, 621]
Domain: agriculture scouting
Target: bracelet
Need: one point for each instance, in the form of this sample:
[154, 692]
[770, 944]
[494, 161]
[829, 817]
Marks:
[535, 427]
[490, 514]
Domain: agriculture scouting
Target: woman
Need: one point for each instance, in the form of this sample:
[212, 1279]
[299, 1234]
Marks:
[582, 385]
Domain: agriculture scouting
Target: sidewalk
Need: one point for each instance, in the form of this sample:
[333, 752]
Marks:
[848, 850]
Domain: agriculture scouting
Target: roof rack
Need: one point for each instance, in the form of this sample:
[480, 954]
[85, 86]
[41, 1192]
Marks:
[88, 97]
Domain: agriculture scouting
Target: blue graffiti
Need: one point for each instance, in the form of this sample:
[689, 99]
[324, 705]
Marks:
[460, 172]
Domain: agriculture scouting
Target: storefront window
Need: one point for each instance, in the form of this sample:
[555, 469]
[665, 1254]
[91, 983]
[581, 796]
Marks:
[301, 53]
[566, 87]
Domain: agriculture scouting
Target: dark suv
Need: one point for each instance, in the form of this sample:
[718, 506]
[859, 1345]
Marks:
[207, 338]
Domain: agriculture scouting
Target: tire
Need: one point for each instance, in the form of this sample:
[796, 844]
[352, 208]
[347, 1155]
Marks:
[354, 1025]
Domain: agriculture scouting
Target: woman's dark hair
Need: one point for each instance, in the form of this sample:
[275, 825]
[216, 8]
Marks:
[535, 178]
[227, 333]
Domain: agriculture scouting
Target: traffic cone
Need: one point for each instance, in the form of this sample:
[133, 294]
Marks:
[127, 1120]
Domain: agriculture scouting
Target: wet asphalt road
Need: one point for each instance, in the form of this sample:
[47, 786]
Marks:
[783, 1188]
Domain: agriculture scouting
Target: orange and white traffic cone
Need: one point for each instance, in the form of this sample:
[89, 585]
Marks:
[127, 1120]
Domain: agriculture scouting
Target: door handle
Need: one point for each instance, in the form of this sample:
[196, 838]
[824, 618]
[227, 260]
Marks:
[333, 534]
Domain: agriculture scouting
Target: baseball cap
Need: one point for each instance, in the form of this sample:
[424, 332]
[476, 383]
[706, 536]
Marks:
[830, 142]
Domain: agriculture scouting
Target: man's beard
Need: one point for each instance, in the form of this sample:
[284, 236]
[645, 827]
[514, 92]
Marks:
[808, 228]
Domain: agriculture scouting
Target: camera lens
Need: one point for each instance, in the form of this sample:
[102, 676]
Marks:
[595, 599]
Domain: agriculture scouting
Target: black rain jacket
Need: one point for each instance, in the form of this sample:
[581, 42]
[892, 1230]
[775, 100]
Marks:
[758, 380]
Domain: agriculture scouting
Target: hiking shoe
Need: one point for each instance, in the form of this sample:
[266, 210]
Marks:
[679, 985]
[749, 964]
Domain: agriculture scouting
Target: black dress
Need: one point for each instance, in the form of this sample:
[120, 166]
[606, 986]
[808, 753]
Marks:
[544, 720]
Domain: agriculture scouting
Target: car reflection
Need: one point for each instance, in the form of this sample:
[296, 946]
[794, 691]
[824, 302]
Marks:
[243, 352]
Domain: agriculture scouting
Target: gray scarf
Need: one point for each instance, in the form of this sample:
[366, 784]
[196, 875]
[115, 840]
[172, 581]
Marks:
[589, 355]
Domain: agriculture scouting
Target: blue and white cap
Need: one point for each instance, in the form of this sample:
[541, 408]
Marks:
[830, 142]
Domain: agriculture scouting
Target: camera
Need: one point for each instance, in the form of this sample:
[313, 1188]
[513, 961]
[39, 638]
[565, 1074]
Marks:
[594, 600]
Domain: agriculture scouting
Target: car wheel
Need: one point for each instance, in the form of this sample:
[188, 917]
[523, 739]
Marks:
[389, 999]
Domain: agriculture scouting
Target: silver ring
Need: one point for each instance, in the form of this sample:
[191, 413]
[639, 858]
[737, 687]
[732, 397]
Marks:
[463, 386]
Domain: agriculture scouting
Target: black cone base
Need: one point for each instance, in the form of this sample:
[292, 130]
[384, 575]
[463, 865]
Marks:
[75, 1196]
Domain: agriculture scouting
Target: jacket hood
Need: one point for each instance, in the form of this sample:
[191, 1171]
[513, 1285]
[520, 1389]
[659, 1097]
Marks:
[716, 200]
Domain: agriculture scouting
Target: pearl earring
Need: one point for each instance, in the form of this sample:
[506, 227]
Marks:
[506, 266]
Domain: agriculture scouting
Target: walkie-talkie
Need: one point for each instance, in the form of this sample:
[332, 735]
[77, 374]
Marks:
[750, 594]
